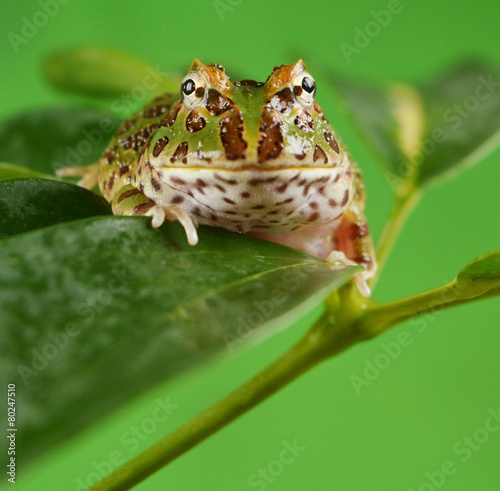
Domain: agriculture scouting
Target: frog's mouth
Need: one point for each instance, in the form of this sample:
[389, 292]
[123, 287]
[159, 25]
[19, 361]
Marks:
[245, 200]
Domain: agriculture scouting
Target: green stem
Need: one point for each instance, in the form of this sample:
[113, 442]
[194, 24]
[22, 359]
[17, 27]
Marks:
[323, 340]
[402, 208]
[326, 338]
[382, 317]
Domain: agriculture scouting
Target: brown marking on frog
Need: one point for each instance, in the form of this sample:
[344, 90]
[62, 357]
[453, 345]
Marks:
[271, 142]
[345, 199]
[136, 141]
[216, 103]
[177, 200]
[297, 90]
[160, 145]
[142, 208]
[201, 156]
[109, 155]
[178, 180]
[219, 67]
[318, 109]
[319, 153]
[313, 217]
[284, 202]
[180, 153]
[231, 134]
[195, 122]
[172, 115]
[304, 121]
[155, 111]
[258, 181]
[156, 185]
[331, 141]
[248, 83]
[127, 194]
[231, 182]
[319, 180]
[283, 101]
[282, 187]
[124, 168]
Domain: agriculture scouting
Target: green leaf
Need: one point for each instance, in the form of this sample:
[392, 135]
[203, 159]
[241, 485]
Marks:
[370, 108]
[103, 72]
[481, 275]
[106, 307]
[464, 106]
[11, 171]
[429, 132]
[47, 139]
[27, 204]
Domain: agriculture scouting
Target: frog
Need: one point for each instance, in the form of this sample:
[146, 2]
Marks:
[259, 158]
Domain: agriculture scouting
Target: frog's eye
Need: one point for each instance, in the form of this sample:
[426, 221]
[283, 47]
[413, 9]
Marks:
[304, 88]
[188, 86]
[193, 90]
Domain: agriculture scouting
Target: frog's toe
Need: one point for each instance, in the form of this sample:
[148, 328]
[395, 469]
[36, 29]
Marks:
[89, 173]
[173, 213]
[362, 284]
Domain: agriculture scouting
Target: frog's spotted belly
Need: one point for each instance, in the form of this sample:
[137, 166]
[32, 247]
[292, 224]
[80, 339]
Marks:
[248, 201]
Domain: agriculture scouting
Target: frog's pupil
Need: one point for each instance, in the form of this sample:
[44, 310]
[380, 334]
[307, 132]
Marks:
[188, 86]
[308, 85]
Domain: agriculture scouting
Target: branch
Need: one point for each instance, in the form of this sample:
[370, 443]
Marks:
[380, 318]
[319, 343]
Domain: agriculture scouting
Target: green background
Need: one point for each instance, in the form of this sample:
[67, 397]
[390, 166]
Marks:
[440, 388]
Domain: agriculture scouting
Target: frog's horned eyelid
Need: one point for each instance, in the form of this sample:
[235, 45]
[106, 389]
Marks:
[304, 87]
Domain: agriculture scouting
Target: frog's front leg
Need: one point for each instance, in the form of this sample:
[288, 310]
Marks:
[89, 174]
[352, 236]
[130, 201]
[353, 241]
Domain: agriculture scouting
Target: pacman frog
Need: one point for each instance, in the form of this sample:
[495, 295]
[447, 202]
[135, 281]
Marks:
[257, 158]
